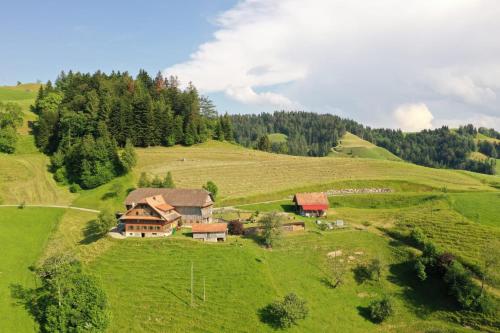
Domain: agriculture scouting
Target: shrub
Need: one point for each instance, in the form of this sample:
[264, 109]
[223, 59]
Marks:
[60, 175]
[74, 188]
[380, 310]
[287, 312]
[418, 237]
[212, 188]
[235, 228]
[420, 270]
[105, 221]
[374, 269]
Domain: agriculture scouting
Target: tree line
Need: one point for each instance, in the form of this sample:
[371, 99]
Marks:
[89, 123]
[311, 134]
[11, 117]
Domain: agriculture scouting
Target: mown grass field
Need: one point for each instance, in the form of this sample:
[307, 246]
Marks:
[23, 236]
[353, 146]
[479, 207]
[241, 277]
[243, 173]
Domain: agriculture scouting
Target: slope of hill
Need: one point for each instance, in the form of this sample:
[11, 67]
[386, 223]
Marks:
[353, 146]
[23, 175]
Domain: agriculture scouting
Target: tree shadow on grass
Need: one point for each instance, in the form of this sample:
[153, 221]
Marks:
[267, 316]
[24, 297]
[364, 312]
[91, 233]
[109, 195]
[361, 274]
[425, 297]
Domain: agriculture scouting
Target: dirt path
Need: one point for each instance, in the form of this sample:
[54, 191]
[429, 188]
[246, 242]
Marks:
[57, 206]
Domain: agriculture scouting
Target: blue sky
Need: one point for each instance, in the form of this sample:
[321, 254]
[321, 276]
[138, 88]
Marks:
[407, 64]
[41, 38]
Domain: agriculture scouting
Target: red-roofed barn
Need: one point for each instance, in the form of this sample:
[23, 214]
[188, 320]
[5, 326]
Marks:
[311, 204]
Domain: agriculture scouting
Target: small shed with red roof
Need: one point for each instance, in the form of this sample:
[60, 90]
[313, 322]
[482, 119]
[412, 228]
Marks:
[311, 204]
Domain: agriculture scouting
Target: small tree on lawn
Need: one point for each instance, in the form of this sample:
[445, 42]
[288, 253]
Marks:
[287, 312]
[168, 182]
[235, 227]
[271, 225]
[374, 269]
[105, 221]
[380, 310]
[144, 180]
[157, 182]
[337, 270]
[212, 188]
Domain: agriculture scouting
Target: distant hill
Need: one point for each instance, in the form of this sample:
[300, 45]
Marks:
[353, 146]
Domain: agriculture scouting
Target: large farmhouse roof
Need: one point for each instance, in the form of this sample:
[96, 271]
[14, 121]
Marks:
[176, 197]
[213, 227]
[313, 201]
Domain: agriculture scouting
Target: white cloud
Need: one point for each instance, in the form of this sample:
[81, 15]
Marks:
[357, 55]
[413, 117]
[462, 86]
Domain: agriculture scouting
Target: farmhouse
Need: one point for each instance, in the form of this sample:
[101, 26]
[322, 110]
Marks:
[150, 217]
[193, 205]
[216, 232]
[311, 204]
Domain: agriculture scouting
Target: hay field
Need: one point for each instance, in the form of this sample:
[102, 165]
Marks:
[241, 172]
[353, 146]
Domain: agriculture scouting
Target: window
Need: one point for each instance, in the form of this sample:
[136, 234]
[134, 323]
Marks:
[130, 234]
[154, 233]
[150, 227]
[131, 227]
[157, 228]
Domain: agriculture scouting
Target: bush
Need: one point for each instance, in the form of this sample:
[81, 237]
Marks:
[105, 221]
[420, 270]
[235, 228]
[68, 300]
[380, 310]
[60, 175]
[212, 188]
[418, 237]
[74, 188]
[287, 312]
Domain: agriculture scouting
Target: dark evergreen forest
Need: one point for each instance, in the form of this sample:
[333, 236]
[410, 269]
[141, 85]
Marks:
[88, 123]
[312, 134]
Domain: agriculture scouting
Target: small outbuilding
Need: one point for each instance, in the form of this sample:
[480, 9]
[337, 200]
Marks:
[215, 232]
[311, 204]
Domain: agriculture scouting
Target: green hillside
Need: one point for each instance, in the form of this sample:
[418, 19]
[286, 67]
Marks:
[353, 146]
[24, 175]
[23, 235]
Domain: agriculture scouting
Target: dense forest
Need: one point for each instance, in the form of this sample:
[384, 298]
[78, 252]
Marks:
[89, 123]
[440, 147]
[311, 134]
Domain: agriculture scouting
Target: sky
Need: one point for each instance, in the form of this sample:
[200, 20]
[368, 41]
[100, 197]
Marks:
[407, 64]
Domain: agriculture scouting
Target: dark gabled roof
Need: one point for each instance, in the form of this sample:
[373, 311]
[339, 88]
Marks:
[177, 197]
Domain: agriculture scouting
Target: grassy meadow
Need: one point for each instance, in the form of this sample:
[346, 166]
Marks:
[23, 236]
[353, 146]
[241, 277]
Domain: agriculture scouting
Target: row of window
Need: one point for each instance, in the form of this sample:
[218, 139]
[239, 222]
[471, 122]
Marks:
[143, 227]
